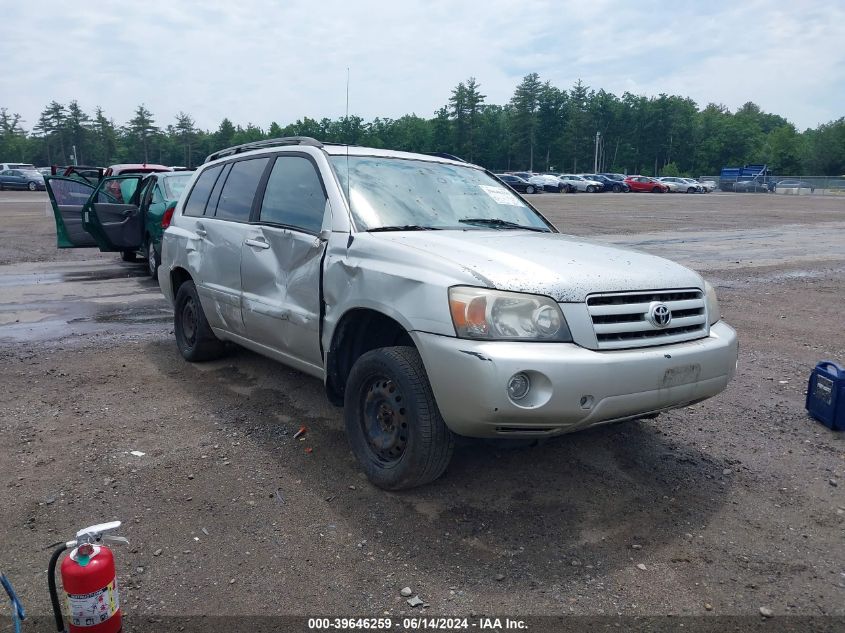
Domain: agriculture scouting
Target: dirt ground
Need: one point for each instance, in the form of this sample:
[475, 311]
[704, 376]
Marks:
[722, 508]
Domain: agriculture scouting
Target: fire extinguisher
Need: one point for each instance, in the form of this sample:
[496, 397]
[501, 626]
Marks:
[89, 582]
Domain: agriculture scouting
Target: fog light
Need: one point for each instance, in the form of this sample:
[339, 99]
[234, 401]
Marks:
[518, 386]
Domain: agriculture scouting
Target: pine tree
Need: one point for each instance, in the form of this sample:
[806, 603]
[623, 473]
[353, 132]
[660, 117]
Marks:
[142, 130]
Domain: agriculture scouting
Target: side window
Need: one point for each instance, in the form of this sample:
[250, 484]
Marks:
[195, 204]
[157, 195]
[294, 196]
[239, 191]
[211, 208]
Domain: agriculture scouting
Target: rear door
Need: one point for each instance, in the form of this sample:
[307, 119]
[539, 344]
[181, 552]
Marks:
[282, 261]
[222, 231]
[67, 197]
[113, 214]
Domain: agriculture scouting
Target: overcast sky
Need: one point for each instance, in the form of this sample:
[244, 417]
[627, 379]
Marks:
[261, 61]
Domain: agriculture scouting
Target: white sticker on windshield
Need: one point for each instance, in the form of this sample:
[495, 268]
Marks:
[501, 195]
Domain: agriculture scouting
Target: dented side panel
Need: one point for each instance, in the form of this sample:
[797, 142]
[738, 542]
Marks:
[281, 291]
[411, 287]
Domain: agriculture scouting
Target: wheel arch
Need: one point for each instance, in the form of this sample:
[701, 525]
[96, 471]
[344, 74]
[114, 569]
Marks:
[357, 332]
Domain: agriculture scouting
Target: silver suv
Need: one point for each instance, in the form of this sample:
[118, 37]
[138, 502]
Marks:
[431, 300]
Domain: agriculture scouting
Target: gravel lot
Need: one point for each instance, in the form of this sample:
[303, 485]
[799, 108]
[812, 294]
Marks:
[722, 508]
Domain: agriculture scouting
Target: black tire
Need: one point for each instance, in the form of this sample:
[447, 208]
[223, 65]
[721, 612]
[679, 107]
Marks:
[591, 189]
[691, 190]
[530, 189]
[128, 256]
[32, 186]
[194, 338]
[656, 190]
[617, 189]
[2, 188]
[398, 447]
[152, 260]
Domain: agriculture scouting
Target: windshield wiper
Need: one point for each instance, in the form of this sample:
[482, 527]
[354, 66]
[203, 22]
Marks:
[404, 227]
[498, 223]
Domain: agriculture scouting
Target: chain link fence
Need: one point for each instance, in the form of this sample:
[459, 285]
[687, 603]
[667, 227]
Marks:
[787, 185]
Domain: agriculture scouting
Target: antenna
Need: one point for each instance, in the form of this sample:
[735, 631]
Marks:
[348, 134]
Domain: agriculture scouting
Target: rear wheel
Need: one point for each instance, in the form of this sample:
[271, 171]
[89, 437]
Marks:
[194, 338]
[392, 421]
[530, 189]
[152, 260]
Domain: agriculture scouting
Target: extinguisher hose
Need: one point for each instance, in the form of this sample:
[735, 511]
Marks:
[51, 584]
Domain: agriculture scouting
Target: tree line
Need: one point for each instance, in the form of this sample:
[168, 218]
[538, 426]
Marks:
[541, 128]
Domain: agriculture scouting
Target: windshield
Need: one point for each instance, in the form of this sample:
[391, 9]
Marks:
[175, 185]
[401, 193]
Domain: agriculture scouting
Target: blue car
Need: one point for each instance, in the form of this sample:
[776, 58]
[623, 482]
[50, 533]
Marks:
[21, 179]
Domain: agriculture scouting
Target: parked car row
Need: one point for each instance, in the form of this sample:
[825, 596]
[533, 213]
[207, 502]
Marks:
[527, 182]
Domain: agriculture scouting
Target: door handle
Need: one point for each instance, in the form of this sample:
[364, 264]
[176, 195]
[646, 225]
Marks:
[201, 232]
[257, 243]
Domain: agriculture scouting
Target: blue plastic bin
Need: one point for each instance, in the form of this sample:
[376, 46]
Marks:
[826, 395]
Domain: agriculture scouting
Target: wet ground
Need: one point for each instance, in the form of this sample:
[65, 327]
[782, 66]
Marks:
[722, 508]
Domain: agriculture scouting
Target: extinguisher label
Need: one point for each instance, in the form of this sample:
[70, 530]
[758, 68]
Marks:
[93, 608]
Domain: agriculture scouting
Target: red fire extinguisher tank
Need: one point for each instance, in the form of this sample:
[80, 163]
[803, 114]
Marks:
[91, 591]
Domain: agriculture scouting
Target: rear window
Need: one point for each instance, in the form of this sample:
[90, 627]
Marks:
[175, 185]
[195, 204]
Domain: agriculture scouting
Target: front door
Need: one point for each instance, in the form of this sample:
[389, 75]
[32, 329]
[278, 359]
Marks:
[282, 260]
[113, 214]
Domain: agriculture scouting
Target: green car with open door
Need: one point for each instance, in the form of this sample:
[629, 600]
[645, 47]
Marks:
[123, 214]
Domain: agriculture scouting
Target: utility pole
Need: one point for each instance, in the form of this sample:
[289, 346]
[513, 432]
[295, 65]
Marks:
[596, 155]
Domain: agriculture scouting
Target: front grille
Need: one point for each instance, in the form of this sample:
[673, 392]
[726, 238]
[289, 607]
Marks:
[621, 320]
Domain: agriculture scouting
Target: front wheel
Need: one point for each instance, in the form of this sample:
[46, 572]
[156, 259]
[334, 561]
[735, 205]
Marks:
[691, 190]
[591, 189]
[617, 189]
[392, 421]
[194, 338]
[530, 189]
[656, 190]
[32, 186]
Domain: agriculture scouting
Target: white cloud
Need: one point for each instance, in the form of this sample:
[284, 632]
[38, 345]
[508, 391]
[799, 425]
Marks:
[261, 61]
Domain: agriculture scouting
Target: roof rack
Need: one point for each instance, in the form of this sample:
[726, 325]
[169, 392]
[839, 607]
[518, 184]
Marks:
[270, 142]
[445, 155]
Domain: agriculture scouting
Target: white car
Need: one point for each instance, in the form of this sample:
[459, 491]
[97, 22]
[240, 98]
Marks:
[680, 185]
[548, 182]
[579, 183]
[794, 187]
[709, 185]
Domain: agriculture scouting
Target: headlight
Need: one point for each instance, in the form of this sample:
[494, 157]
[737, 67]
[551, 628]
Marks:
[481, 313]
[712, 303]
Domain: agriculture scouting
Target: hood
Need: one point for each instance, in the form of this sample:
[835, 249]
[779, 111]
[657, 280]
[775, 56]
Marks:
[563, 267]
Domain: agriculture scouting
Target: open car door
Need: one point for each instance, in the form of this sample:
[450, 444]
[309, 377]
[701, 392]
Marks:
[67, 197]
[113, 215]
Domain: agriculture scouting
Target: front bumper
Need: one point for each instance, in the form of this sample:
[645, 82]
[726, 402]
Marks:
[572, 387]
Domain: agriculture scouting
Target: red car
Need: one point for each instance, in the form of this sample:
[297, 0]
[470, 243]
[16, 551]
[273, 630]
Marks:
[645, 184]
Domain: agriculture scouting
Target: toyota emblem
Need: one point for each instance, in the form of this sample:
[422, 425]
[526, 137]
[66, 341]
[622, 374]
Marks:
[659, 314]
